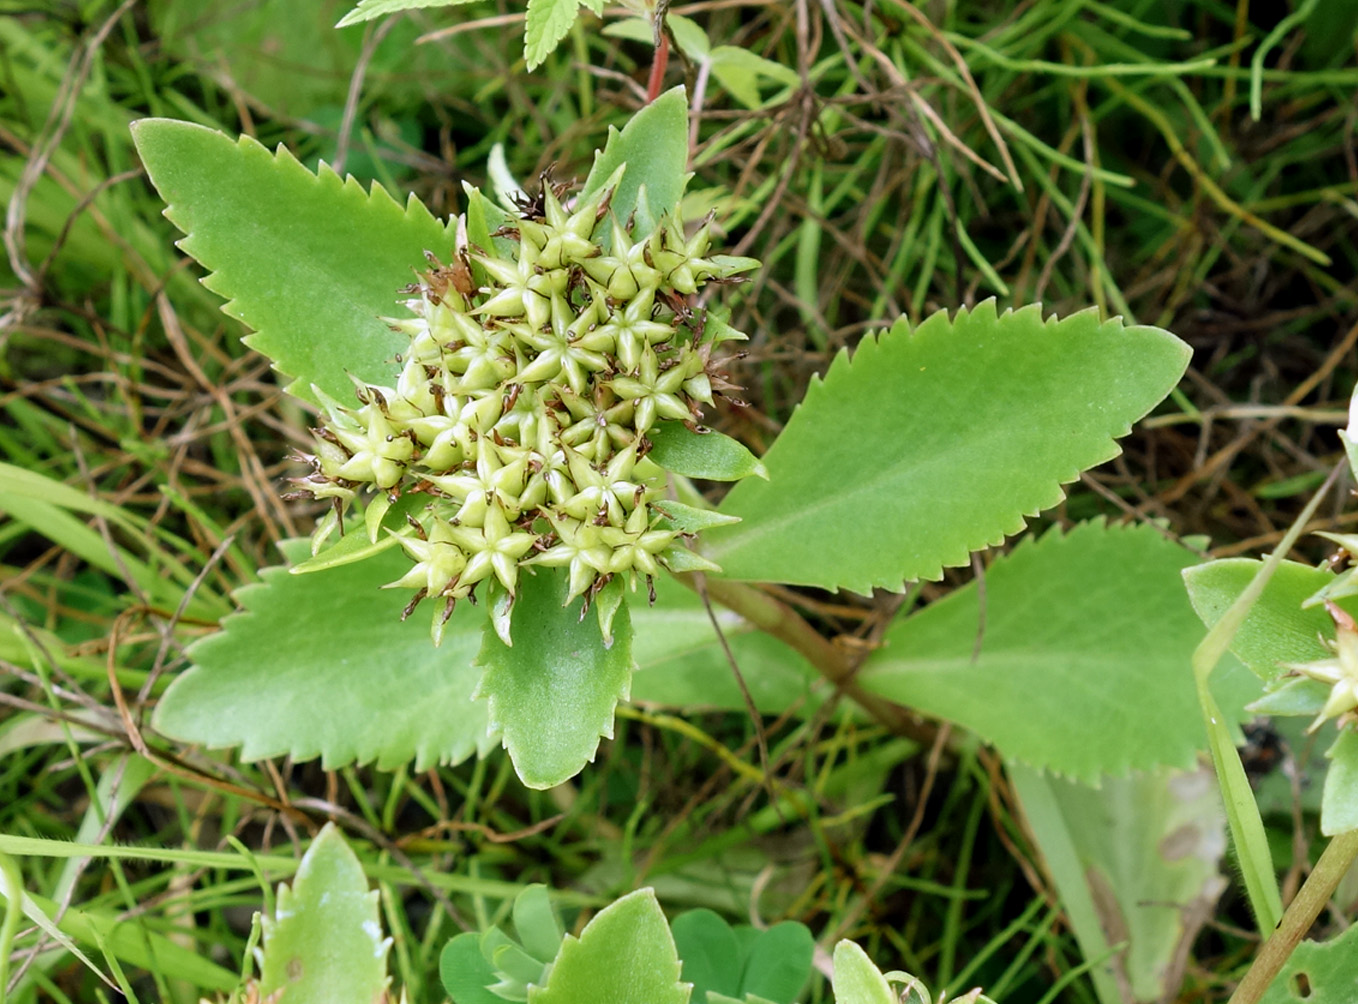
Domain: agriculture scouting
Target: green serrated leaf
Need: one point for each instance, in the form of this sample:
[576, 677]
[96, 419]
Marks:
[625, 955]
[336, 257]
[322, 665]
[710, 455]
[465, 973]
[933, 443]
[1277, 629]
[324, 945]
[1339, 804]
[369, 9]
[654, 146]
[712, 957]
[552, 695]
[681, 663]
[1082, 661]
[547, 24]
[856, 980]
[1329, 968]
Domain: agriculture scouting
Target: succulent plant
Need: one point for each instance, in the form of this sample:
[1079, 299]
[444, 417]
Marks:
[521, 411]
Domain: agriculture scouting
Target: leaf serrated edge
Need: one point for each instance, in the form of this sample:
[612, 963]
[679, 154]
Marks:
[253, 751]
[845, 361]
[375, 196]
[1060, 536]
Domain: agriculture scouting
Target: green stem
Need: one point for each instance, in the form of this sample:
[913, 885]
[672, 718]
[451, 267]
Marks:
[1301, 913]
[782, 622]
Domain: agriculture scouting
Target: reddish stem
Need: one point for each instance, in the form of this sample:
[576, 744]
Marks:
[658, 67]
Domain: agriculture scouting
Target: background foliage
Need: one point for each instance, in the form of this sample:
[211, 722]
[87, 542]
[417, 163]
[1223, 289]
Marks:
[1183, 163]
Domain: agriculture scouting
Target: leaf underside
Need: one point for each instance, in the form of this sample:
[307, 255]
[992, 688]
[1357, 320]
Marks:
[369, 9]
[552, 695]
[1082, 667]
[322, 665]
[325, 945]
[1141, 857]
[929, 444]
[310, 262]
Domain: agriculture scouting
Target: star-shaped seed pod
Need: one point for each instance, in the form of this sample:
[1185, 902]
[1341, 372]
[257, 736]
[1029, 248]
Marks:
[521, 410]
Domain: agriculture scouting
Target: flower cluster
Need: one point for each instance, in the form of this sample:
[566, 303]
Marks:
[520, 415]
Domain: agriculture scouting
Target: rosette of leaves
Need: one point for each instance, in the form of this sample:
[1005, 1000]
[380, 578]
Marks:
[513, 429]
[547, 377]
[627, 954]
[490, 967]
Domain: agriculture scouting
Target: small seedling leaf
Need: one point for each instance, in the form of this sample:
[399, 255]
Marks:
[465, 973]
[536, 925]
[324, 944]
[778, 963]
[856, 980]
[712, 956]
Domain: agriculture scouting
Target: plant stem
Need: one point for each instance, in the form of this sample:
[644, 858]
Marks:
[1301, 913]
[658, 67]
[782, 622]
